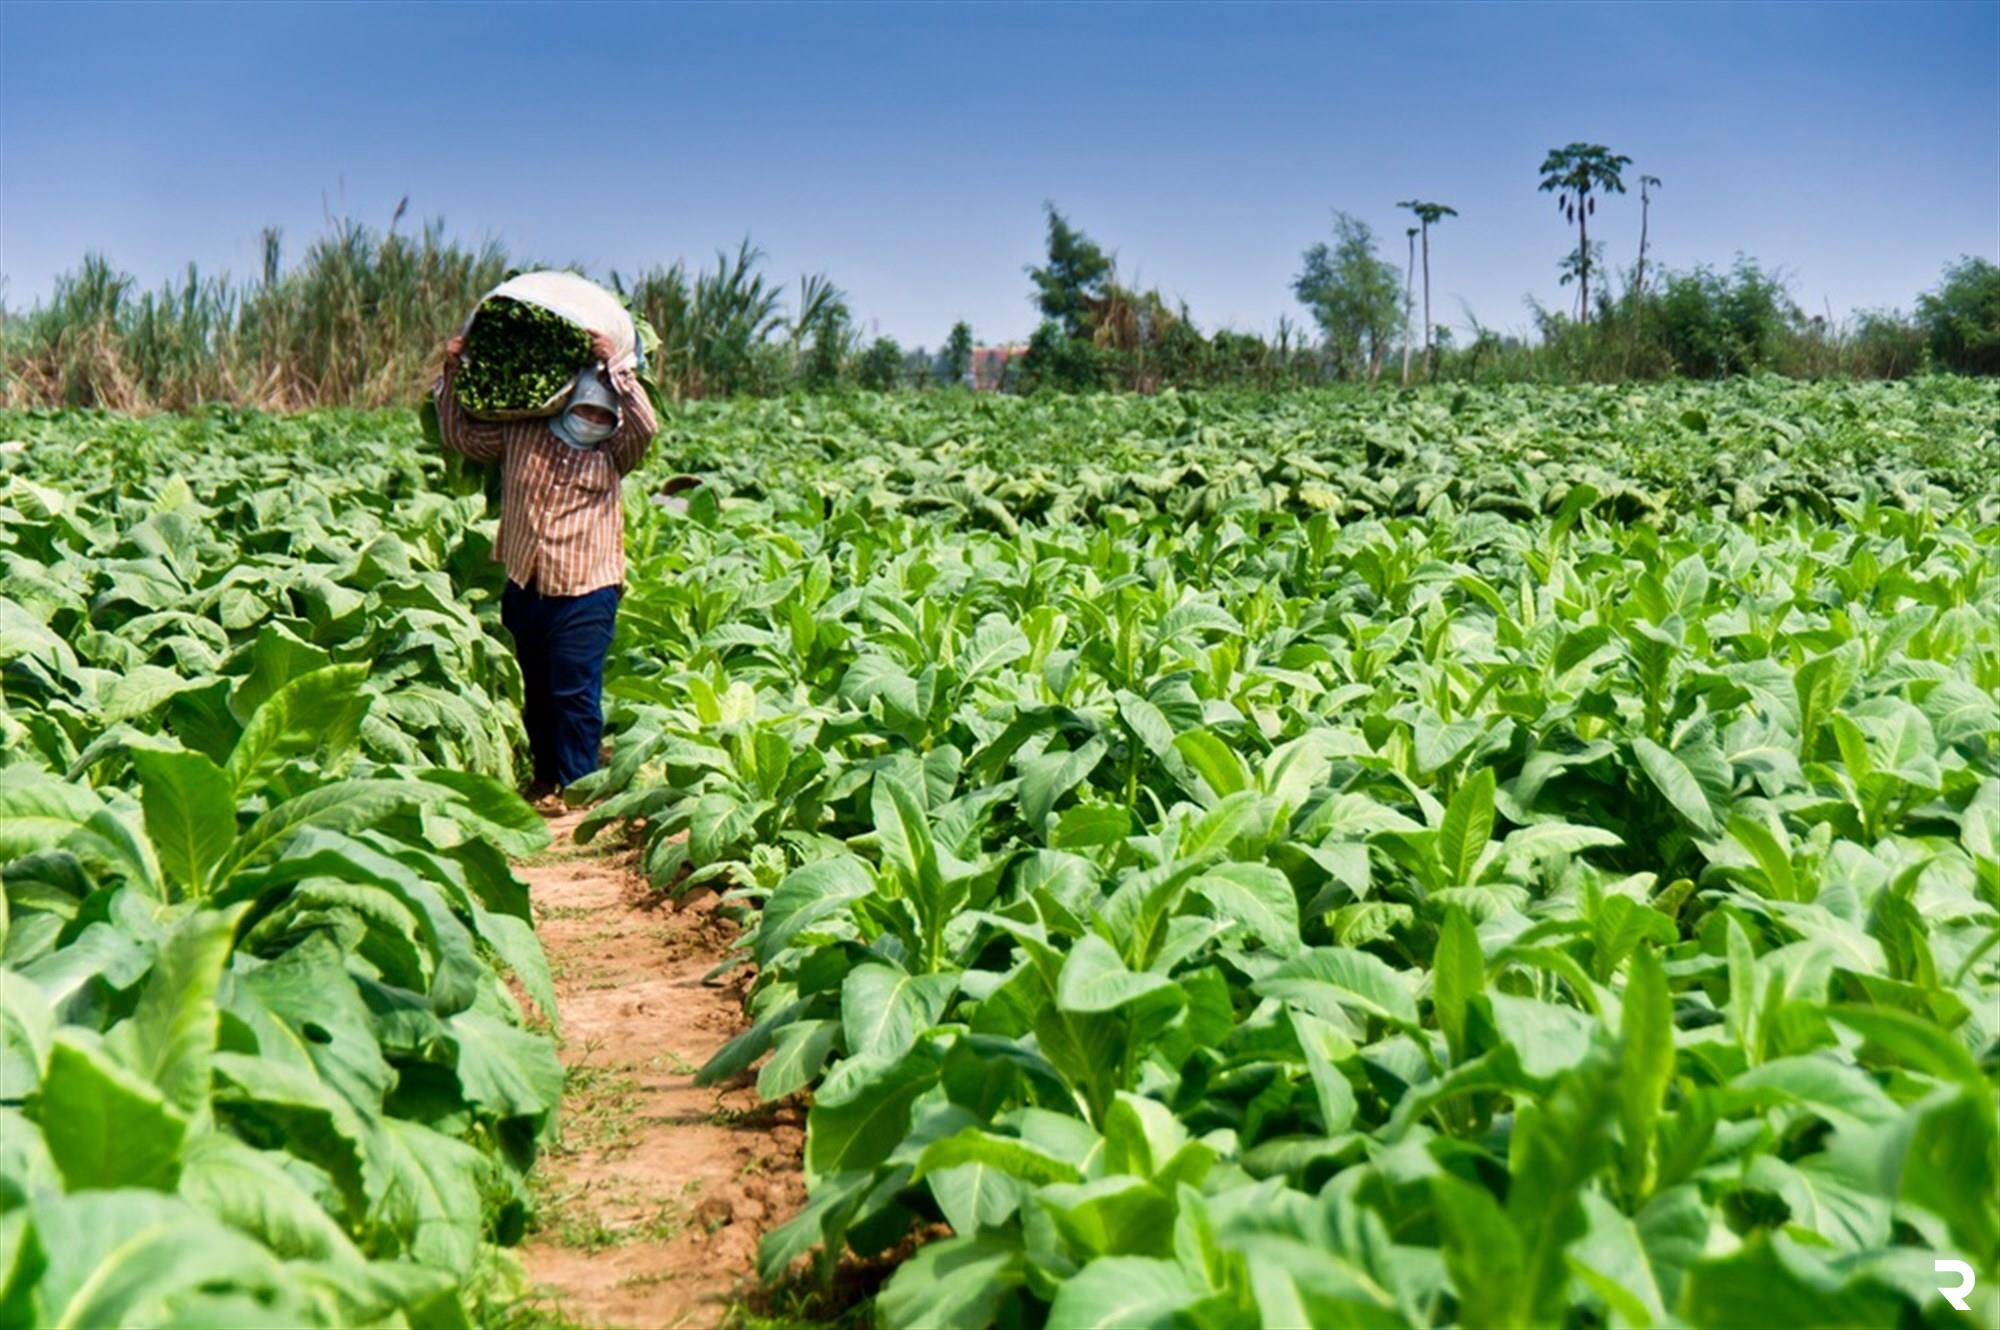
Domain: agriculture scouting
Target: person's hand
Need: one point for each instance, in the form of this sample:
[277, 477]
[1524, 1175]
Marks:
[601, 347]
[453, 349]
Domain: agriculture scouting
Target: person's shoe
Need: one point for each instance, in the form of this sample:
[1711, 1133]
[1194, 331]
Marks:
[551, 804]
[539, 790]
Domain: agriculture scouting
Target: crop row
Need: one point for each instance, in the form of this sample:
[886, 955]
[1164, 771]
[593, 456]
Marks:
[1508, 857]
[1222, 907]
[259, 1059]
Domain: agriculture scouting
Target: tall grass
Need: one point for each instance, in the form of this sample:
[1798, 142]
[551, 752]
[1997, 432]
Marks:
[357, 322]
[717, 330]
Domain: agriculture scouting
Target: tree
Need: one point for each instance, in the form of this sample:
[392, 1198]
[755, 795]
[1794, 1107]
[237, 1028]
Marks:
[713, 329]
[1647, 183]
[1409, 297]
[1057, 361]
[1962, 317]
[1072, 283]
[879, 365]
[1571, 268]
[1576, 175]
[956, 360]
[823, 316]
[1427, 215]
[818, 300]
[1351, 294]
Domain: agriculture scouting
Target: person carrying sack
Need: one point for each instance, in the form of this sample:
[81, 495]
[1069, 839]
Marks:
[562, 542]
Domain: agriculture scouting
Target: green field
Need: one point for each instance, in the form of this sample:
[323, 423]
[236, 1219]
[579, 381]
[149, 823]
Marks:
[1512, 856]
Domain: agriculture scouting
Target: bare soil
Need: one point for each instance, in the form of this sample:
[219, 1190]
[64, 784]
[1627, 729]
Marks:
[653, 1201]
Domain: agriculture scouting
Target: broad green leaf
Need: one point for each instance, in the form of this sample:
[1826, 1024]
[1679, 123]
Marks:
[808, 895]
[1671, 776]
[1322, 1045]
[1951, 1166]
[1611, 1260]
[1232, 816]
[141, 691]
[1482, 1252]
[1258, 897]
[37, 811]
[798, 1053]
[957, 1284]
[1213, 761]
[1122, 1293]
[344, 805]
[277, 657]
[27, 1026]
[1773, 859]
[1646, 1068]
[1545, 839]
[430, 1194]
[1325, 980]
[310, 993]
[1458, 976]
[903, 833]
[492, 810]
[1821, 685]
[105, 1126]
[317, 714]
[122, 1257]
[1048, 777]
[1016, 1158]
[303, 1115]
[1833, 1194]
[719, 825]
[252, 1192]
[1911, 1042]
[505, 1070]
[883, 1010]
[1115, 1216]
[171, 1036]
[1094, 979]
[1744, 994]
[1085, 825]
[976, 1196]
[1467, 824]
[1771, 1280]
[1833, 1089]
[862, 1110]
[995, 643]
[190, 814]
[1548, 1039]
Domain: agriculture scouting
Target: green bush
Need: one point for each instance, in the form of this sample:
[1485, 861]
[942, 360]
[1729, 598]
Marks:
[1061, 363]
[1962, 317]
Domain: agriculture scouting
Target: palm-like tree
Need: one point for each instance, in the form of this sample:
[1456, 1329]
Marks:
[1409, 299]
[1427, 214]
[735, 310]
[1647, 183]
[1575, 175]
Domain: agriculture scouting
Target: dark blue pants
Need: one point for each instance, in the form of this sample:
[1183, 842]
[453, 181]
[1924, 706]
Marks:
[561, 642]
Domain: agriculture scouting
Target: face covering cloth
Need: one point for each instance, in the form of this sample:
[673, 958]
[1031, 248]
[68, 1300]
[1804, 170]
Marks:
[590, 390]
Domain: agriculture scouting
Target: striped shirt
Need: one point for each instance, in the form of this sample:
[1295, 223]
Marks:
[562, 519]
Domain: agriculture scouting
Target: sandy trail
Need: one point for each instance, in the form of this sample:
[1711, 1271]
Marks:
[652, 1203]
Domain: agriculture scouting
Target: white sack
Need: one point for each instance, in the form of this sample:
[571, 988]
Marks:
[581, 301]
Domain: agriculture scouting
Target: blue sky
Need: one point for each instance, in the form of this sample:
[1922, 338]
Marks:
[907, 150]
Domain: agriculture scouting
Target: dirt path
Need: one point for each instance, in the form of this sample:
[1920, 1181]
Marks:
[652, 1203]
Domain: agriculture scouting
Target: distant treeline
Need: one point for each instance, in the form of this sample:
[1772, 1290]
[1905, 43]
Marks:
[1701, 323]
[359, 319]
